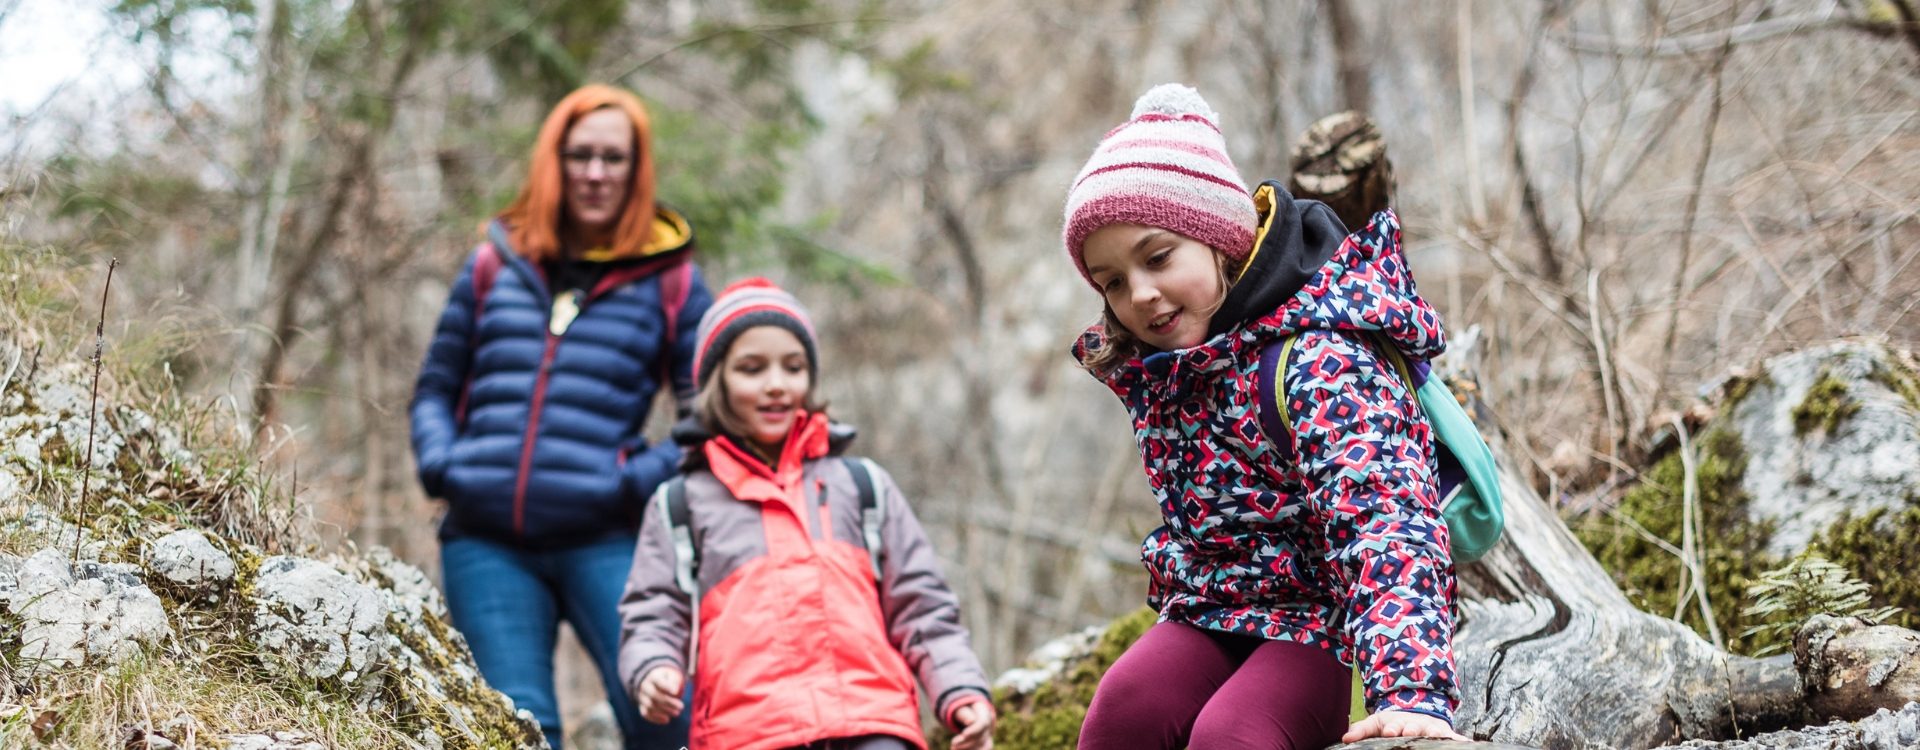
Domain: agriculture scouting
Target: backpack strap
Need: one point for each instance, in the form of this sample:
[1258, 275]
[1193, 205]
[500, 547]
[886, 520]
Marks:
[871, 516]
[674, 286]
[486, 268]
[1273, 369]
[672, 499]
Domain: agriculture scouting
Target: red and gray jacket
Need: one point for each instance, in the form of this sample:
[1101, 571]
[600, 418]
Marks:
[794, 637]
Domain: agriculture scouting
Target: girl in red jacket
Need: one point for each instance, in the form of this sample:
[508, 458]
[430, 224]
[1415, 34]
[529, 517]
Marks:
[795, 582]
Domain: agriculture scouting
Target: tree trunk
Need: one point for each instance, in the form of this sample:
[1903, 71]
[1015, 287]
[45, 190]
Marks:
[1551, 654]
[1854, 668]
[1544, 628]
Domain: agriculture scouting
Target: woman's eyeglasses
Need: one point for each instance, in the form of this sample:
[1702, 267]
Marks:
[580, 160]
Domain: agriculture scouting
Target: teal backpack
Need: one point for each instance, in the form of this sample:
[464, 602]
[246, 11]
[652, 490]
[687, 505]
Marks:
[1468, 479]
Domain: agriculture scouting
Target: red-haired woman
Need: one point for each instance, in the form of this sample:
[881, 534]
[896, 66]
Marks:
[577, 309]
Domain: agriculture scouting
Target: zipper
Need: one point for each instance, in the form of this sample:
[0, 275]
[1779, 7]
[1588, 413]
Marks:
[527, 440]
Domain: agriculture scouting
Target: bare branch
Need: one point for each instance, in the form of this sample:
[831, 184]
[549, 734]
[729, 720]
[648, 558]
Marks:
[1709, 41]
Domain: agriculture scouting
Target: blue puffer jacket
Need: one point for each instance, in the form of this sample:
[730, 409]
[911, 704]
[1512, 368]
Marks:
[534, 438]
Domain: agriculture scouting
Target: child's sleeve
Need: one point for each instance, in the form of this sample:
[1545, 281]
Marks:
[654, 611]
[1363, 450]
[922, 613]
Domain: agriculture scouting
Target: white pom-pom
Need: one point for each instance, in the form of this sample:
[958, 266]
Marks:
[1174, 99]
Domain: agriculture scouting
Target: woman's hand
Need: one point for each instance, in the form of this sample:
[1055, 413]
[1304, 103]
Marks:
[660, 694]
[976, 726]
[1400, 724]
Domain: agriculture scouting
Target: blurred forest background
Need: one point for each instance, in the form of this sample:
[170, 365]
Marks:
[1627, 198]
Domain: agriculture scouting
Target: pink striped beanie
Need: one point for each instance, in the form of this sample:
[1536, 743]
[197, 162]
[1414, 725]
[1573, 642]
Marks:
[1166, 167]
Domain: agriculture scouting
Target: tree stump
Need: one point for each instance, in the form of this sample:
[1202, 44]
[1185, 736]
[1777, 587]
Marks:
[1341, 160]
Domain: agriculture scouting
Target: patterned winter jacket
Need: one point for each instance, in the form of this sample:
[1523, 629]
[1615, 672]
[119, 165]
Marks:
[1328, 536]
[534, 437]
[797, 641]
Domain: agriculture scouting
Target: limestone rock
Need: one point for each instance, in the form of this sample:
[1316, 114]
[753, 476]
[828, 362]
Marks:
[187, 559]
[9, 576]
[321, 622]
[273, 741]
[1048, 661]
[1827, 430]
[70, 613]
[1885, 730]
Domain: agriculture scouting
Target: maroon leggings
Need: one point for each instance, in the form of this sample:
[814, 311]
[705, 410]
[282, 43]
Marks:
[1181, 686]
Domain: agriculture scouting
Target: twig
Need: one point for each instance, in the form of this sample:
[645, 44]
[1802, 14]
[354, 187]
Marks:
[6, 380]
[1597, 335]
[93, 408]
[1694, 576]
[1706, 41]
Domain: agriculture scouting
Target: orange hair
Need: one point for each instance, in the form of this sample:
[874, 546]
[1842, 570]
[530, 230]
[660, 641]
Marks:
[533, 219]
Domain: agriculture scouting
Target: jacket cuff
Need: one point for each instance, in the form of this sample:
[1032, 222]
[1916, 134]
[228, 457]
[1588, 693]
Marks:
[433, 475]
[1419, 701]
[958, 697]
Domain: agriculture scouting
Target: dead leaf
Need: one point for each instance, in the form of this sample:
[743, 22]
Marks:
[44, 725]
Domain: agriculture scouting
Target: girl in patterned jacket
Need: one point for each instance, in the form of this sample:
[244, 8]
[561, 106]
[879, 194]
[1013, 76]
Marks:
[795, 582]
[1289, 550]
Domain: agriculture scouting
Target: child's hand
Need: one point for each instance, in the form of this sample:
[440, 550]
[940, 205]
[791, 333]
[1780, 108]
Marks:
[976, 726]
[660, 694]
[1400, 724]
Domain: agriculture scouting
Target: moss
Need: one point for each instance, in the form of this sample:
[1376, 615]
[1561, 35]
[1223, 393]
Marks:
[1737, 389]
[1898, 380]
[1050, 716]
[1733, 548]
[1827, 404]
[1882, 549]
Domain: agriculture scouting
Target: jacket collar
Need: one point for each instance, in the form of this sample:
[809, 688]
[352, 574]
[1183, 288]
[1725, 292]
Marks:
[750, 478]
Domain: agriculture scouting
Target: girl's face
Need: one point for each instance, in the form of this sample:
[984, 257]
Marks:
[1164, 287]
[765, 373]
[596, 159]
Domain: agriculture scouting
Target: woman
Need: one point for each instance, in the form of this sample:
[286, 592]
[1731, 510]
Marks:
[527, 416]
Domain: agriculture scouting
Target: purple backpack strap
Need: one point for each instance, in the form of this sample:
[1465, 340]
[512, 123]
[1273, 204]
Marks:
[1271, 388]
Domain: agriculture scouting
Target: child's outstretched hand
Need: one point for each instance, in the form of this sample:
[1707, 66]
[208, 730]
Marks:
[1400, 724]
[660, 694]
[976, 726]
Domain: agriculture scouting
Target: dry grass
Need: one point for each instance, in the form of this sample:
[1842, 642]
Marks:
[191, 468]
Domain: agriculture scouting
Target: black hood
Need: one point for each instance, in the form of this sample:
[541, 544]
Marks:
[1294, 241]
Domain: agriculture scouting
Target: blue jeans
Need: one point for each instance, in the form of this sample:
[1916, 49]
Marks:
[509, 602]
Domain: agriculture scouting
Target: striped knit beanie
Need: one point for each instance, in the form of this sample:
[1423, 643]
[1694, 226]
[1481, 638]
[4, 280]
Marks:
[742, 305]
[1167, 167]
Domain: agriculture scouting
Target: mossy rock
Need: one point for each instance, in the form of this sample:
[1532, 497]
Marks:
[1733, 547]
[1797, 459]
[1049, 716]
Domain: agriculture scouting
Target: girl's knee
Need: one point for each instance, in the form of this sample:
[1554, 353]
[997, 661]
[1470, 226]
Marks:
[1127, 713]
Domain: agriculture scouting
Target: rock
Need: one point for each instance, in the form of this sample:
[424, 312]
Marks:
[1048, 661]
[1885, 730]
[71, 613]
[273, 741]
[596, 731]
[319, 621]
[187, 559]
[1828, 431]
[9, 576]
[53, 532]
[12, 494]
[429, 667]
[1814, 451]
